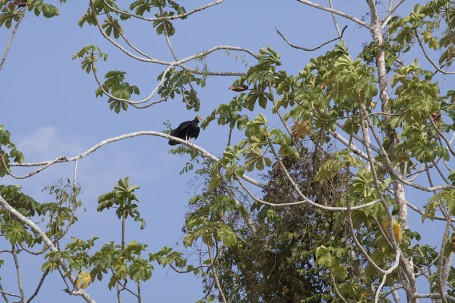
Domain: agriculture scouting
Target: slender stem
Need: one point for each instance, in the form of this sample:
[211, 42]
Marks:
[39, 286]
[18, 273]
[336, 12]
[13, 34]
[215, 275]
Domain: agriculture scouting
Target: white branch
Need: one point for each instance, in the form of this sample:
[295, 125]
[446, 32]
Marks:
[63, 159]
[47, 242]
[123, 12]
[334, 11]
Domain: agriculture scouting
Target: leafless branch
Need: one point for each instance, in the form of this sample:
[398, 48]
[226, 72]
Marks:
[63, 159]
[13, 34]
[336, 12]
[177, 63]
[310, 49]
[215, 275]
[181, 16]
[18, 272]
[390, 13]
[35, 293]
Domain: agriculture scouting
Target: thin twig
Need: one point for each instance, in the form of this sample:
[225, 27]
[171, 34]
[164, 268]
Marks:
[334, 11]
[13, 34]
[215, 275]
[181, 16]
[39, 286]
[310, 49]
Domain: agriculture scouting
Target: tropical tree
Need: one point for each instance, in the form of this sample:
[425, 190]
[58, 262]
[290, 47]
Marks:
[364, 136]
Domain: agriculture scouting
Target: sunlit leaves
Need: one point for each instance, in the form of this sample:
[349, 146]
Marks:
[83, 279]
[23, 203]
[15, 232]
[9, 15]
[112, 27]
[48, 10]
[8, 151]
[90, 55]
[119, 90]
[122, 198]
[140, 270]
[141, 6]
[177, 82]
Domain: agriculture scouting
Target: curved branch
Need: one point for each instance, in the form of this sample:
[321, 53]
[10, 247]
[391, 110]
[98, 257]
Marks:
[134, 103]
[13, 34]
[328, 208]
[390, 13]
[63, 159]
[336, 12]
[311, 49]
[181, 16]
[180, 62]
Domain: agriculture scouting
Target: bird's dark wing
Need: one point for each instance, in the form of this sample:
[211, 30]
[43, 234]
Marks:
[180, 132]
[196, 132]
[181, 128]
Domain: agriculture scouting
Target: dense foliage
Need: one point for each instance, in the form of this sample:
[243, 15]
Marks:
[358, 136]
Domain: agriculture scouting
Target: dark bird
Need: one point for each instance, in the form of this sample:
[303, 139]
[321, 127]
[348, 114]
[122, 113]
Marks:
[239, 88]
[186, 130]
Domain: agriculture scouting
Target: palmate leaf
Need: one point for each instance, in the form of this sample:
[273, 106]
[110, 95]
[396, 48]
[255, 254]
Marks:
[83, 279]
[15, 232]
[112, 27]
[300, 130]
[48, 10]
[140, 270]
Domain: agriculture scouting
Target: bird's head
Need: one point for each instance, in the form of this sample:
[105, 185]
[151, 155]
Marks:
[198, 118]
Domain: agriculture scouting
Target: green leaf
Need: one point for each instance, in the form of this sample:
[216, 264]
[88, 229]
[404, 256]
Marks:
[140, 270]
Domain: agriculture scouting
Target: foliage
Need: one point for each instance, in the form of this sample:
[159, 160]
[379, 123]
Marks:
[345, 147]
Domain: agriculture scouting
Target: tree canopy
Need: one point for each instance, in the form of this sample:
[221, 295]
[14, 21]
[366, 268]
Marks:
[313, 196]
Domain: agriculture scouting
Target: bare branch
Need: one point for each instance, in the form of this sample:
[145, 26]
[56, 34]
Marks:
[13, 34]
[63, 159]
[5, 293]
[390, 13]
[18, 272]
[336, 12]
[39, 286]
[180, 62]
[215, 275]
[181, 16]
[311, 49]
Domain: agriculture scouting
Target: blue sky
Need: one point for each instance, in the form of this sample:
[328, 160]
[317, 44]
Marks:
[49, 105]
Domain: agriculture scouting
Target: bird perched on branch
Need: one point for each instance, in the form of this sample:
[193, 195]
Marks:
[186, 130]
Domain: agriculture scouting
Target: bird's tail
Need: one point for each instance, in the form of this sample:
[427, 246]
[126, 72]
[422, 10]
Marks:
[173, 142]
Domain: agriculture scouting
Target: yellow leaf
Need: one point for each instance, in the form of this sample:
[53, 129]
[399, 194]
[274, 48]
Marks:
[83, 279]
[300, 130]
[396, 227]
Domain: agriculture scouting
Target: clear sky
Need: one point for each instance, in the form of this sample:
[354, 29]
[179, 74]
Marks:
[48, 104]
